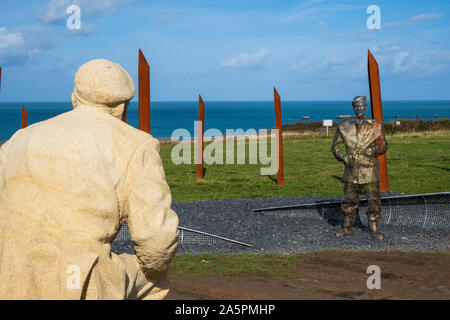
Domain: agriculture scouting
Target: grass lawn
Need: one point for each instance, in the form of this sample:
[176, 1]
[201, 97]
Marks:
[417, 163]
[269, 265]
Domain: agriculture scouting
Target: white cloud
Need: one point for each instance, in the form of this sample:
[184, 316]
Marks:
[336, 65]
[20, 44]
[361, 34]
[299, 66]
[381, 48]
[9, 40]
[55, 10]
[308, 3]
[421, 18]
[314, 10]
[322, 24]
[85, 29]
[166, 17]
[245, 60]
[401, 62]
[338, 59]
[396, 61]
[343, 66]
[369, 35]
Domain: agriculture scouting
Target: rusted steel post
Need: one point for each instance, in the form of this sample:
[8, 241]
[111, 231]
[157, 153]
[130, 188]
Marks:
[144, 93]
[200, 131]
[377, 114]
[124, 117]
[24, 117]
[280, 173]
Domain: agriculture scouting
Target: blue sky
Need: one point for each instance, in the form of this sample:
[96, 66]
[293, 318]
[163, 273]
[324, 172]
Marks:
[229, 50]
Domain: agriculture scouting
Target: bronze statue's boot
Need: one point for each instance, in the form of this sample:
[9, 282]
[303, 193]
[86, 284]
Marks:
[373, 218]
[349, 209]
[347, 229]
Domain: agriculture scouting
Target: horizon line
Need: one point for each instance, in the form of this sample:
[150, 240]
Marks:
[271, 100]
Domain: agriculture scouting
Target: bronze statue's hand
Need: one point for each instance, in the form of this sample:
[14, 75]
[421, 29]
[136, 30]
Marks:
[370, 151]
[348, 160]
[380, 146]
[352, 155]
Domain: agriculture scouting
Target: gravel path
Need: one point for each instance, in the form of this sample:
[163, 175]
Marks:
[271, 232]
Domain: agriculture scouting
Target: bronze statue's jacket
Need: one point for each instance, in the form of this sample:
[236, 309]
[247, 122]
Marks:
[364, 142]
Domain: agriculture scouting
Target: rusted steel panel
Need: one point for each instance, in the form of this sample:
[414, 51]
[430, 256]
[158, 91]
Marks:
[377, 114]
[200, 131]
[124, 117]
[24, 117]
[278, 124]
[144, 93]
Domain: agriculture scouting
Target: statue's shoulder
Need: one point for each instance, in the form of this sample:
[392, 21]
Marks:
[376, 123]
[344, 124]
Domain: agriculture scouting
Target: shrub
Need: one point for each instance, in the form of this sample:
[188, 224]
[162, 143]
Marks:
[389, 127]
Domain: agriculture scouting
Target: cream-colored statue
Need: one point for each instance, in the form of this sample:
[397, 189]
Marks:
[67, 185]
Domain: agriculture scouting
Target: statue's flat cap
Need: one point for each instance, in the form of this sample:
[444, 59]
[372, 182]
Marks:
[359, 100]
[104, 82]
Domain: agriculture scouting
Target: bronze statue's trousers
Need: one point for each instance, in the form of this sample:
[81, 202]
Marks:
[351, 202]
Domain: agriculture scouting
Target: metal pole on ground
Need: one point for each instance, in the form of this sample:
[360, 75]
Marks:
[144, 93]
[278, 124]
[377, 114]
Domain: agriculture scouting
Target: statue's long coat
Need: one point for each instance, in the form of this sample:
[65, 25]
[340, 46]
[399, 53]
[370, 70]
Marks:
[66, 186]
[363, 144]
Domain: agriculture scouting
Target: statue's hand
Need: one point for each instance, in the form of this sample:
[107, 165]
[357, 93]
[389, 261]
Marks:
[370, 151]
[348, 160]
[351, 156]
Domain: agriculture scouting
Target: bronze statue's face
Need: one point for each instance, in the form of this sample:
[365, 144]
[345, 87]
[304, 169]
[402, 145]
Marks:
[360, 109]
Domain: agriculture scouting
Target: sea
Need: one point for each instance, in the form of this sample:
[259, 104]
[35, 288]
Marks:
[169, 116]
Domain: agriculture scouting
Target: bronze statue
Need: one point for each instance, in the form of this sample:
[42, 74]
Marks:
[364, 142]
